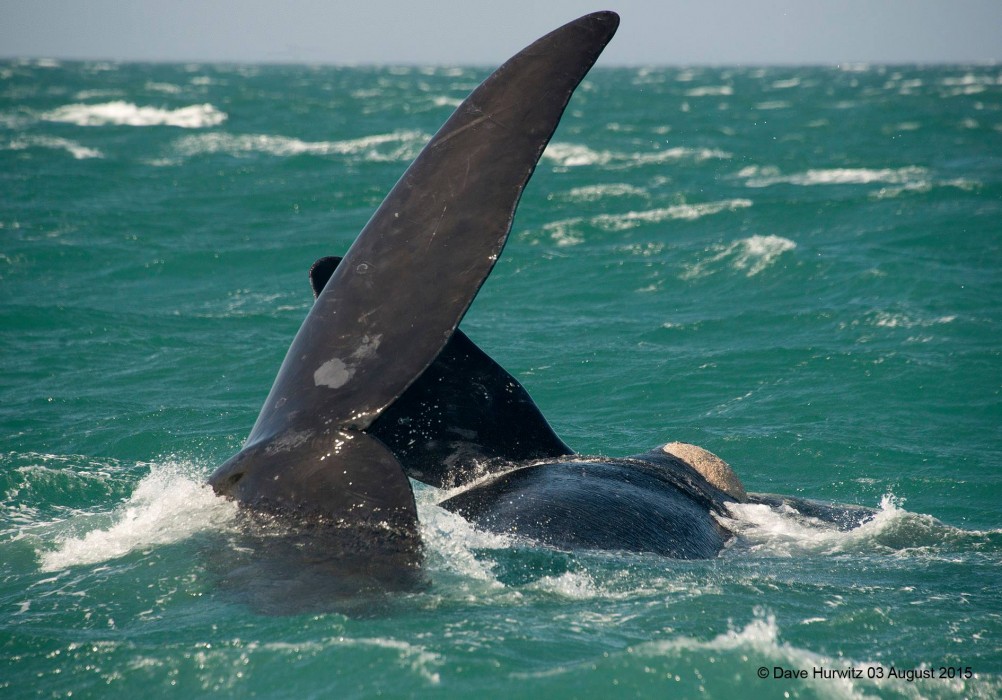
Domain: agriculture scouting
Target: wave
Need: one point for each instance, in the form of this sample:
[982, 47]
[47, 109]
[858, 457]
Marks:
[570, 155]
[710, 91]
[444, 101]
[121, 113]
[166, 88]
[102, 93]
[884, 319]
[394, 146]
[786, 84]
[969, 84]
[758, 650]
[592, 193]
[54, 142]
[687, 212]
[911, 178]
[753, 254]
[756, 176]
[773, 104]
[568, 231]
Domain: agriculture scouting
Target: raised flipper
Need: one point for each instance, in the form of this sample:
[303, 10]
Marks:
[403, 287]
[462, 416]
[414, 270]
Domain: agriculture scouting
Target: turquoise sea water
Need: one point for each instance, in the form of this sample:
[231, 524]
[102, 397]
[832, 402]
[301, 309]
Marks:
[796, 268]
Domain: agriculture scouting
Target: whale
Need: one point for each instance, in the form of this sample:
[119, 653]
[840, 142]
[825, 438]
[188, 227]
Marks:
[380, 386]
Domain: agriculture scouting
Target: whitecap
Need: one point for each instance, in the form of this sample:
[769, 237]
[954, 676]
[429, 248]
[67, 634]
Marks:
[773, 104]
[591, 193]
[166, 88]
[972, 79]
[54, 142]
[883, 319]
[564, 233]
[121, 113]
[766, 177]
[570, 155]
[404, 145]
[98, 94]
[710, 91]
[753, 255]
[786, 84]
[568, 231]
[168, 505]
[759, 644]
[686, 212]
[444, 101]
[682, 153]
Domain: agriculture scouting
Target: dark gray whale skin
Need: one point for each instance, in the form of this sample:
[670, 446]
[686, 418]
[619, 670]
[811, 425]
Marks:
[646, 503]
[467, 423]
[396, 299]
[380, 386]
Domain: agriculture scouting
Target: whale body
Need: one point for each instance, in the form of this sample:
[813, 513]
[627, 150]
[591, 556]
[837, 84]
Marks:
[380, 386]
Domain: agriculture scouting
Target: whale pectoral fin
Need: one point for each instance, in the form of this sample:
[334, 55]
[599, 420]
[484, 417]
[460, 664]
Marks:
[345, 479]
[415, 268]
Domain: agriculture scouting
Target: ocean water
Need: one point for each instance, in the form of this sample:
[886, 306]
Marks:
[799, 269]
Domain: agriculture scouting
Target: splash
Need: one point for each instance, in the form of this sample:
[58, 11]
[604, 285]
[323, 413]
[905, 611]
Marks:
[168, 505]
[450, 541]
[121, 113]
[784, 532]
[574, 585]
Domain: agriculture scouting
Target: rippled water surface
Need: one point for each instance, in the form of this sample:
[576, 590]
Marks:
[797, 268]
